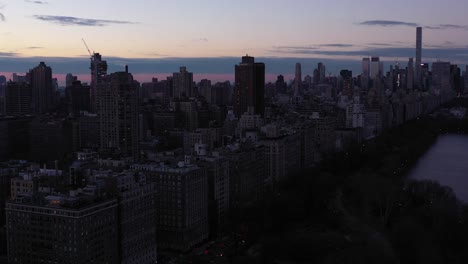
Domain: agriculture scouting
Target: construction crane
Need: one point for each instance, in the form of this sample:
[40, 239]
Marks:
[86, 45]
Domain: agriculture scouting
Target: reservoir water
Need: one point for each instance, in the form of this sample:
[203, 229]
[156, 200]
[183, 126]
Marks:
[447, 163]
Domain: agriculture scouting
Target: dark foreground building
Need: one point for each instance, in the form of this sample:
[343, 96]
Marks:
[62, 230]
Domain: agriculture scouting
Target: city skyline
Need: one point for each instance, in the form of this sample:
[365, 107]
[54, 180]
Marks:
[179, 33]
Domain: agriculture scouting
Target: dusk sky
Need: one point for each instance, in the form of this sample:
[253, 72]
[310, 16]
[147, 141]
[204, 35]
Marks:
[156, 37]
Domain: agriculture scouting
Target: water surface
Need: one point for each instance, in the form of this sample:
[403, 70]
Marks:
[446, 162]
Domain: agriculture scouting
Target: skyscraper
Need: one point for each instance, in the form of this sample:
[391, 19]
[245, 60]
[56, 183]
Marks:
[98, 73]
[347, 82]
[182, 83]
[418, 56]
[118, 114]
[365, 73]
[249, 87]
[375, 69]
[410, 74]
[322, 72]
[42, 91]
[297, 80]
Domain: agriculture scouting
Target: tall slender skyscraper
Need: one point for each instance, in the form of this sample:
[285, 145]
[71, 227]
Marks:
[297, 80]
[418, 56]
[98, 73]
[249, 90]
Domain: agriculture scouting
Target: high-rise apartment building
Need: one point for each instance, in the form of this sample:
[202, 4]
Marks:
[117, 101]
[137, 215]
[78, 97]
[98, 74]
[249, 90]
[181, 204]
[18, 98]
[41, 86]
[182, 82]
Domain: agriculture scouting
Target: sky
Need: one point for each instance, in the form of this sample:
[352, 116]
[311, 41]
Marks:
[209, 36]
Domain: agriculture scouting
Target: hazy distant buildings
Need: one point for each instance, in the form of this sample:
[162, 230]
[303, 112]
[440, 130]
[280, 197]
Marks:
[465, 80]
[204, 89]
[69, 79]
[249, 87]
[418, 56]
[441, 76]
[42, 90]
[117, 101]
[18, 98]
[182, 83]
[280, 85]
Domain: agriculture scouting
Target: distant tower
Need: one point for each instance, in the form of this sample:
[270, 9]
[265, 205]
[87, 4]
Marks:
[42, 90]
[375, 69]
[297, 80]
[98, 74]
[249, 90]
[322, 72]
[182, 83]
[418, 56]
[365, 73]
